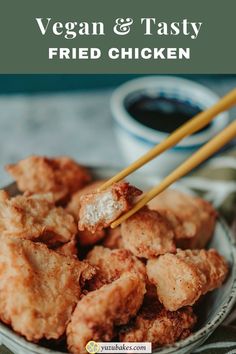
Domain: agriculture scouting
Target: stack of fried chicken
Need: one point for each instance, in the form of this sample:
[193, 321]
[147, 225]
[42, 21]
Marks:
[65, 273]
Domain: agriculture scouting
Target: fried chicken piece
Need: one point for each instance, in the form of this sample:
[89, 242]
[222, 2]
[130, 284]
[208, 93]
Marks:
[192, 218]
[34, 217]
[39, 288]
[113, 238]
[97, 313]
[68, 249]
[61, 176]
[111, 264]
[183, 277]
[148, 234]
[99, 210]
[157, 325]
[86, 238]
[73, 206]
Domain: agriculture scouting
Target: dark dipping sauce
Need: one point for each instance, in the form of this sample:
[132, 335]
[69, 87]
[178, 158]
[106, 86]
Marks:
[161, 113]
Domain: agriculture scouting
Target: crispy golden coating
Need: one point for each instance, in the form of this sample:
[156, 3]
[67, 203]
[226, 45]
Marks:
[73, 206]
[192, 218]
[99, 210]
[157, 325]
[60, 176]
[39, 288]
[113, 238]
[68, 249]
[148, 234]
[97, 313]
[111, 264]
[34, 217]
[183, 277]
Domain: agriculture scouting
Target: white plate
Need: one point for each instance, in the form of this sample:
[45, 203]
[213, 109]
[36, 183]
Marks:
[214, 308]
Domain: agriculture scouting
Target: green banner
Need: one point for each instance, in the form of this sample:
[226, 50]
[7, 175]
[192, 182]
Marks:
[123, 36]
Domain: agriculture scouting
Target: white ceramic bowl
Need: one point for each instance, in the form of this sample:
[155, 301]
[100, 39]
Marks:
[215, 307]
[135, 139]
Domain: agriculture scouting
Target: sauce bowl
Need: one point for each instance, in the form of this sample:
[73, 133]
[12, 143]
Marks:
[135, 138]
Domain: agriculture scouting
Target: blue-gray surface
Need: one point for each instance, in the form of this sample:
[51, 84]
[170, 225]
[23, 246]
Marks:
[78, 124]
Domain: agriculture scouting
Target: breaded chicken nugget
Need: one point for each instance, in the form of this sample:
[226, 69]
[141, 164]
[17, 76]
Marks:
[97, 313]
[34, 217]
[99, 210]
[147, 234]
[73, 206]
[61, 176]
[157, 325]
[183, 277]
[113, 238]
[39, 288]
[111, 264]
[85, 238]
[192, 218]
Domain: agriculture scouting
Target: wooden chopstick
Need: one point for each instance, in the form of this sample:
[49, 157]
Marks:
[196, 159]
[192, 126]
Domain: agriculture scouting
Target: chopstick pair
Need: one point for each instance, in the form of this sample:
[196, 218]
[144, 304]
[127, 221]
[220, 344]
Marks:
[192, 126]
[196, 159]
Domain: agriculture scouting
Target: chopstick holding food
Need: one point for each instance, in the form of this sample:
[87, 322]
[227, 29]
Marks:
[191, 127]
[200, 156]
